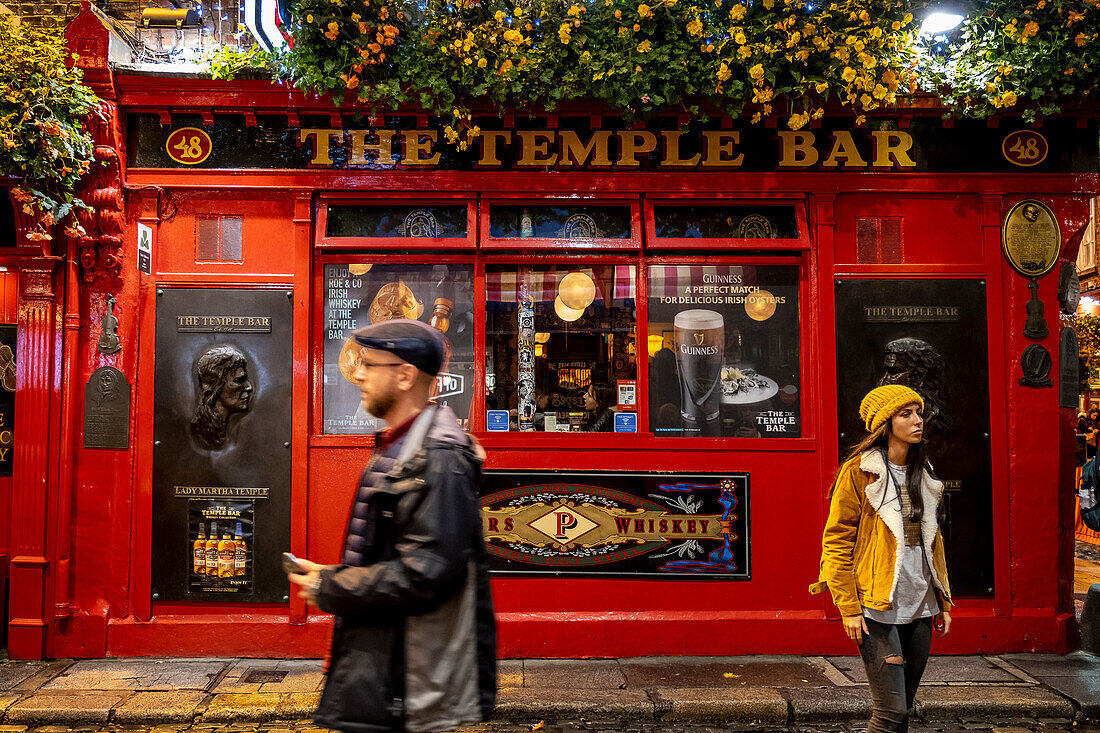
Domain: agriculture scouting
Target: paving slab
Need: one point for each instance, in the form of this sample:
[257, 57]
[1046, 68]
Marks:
[509, 673]
[718, 705]
[64, 708]
[298, 705]
[1084, 691]
[829, 704]
[941, 669]
[980, 702]
[153, 708]
[137, 674]
[518, 703]
[299, 675]
[1050, 665]
[254, 707]
[587, 674]
[746, 671]
[15, 673]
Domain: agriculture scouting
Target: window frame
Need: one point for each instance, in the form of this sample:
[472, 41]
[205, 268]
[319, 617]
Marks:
[535, 245]
[317, 436]
[469, 242]
[702, 244]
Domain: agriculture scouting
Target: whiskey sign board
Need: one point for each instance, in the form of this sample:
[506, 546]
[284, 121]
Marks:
[618, 524]
[221, 456]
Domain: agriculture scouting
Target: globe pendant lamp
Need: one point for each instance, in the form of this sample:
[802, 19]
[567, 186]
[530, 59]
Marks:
[760, 306]
[566, 313]
[576, 291]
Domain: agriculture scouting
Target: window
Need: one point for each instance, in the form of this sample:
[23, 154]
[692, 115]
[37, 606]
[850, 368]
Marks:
[218, 239]
[357, 294]
[723, 350]
[392, 221]
[725, 222]
[560, 351]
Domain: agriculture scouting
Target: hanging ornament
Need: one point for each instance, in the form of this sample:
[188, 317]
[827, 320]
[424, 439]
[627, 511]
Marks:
[566, 313]
[577, 290]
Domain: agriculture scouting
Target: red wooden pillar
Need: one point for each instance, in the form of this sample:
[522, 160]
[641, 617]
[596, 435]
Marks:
[32, 478]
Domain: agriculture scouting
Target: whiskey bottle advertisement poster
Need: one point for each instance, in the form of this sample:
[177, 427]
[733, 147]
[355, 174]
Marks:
[359, 295]
[222, 444]
[930, 335]
[723, 351]
[220, 543]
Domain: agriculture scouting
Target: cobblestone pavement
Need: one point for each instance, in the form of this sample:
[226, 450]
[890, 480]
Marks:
[991, 725]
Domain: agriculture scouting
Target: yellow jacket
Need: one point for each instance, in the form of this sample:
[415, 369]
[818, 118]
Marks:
[861, 546]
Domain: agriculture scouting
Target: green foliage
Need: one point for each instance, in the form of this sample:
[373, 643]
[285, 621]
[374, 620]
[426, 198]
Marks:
[228, 62]
[1027, 54]
[42, 137]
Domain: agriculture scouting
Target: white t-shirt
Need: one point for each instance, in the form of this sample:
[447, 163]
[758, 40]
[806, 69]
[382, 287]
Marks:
[914, 596]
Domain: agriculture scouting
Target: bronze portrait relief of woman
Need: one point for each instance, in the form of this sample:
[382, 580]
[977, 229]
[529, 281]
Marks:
[224, 390]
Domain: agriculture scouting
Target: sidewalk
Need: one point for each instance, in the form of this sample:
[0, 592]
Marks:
[776, 690]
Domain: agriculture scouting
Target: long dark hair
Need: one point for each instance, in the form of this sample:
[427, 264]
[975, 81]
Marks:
[878, 440]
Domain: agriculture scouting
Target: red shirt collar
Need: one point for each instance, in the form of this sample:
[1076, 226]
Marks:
[386, 438]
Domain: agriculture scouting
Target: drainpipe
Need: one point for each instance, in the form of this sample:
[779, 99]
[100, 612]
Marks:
[69, 392]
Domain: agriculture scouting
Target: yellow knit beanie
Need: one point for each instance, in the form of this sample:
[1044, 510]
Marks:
[880, 404]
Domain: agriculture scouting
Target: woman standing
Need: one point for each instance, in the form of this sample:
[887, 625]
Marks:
[882, 553]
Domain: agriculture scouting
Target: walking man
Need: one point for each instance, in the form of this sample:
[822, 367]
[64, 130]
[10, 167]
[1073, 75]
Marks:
[414, 645]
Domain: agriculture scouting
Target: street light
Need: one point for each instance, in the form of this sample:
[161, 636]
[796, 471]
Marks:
[941, 21]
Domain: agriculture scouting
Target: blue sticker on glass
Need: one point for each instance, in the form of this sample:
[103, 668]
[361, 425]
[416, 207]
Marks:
[496, 420]
[626, 422]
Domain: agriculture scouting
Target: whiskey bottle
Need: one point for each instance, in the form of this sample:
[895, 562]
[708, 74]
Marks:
[227, 555]
[242, 552]
[212, 551]
[198, 550]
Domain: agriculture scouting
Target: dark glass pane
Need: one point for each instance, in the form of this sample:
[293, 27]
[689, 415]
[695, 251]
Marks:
[559, 222]
[725, 222]
[397, 221]
[358, 295]
[553, 368]
[723, 351]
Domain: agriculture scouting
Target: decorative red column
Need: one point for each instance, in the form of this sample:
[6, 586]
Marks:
[34, 403]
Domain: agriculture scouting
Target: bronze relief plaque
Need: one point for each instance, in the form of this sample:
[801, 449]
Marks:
[107, 409]
[1031, 238]
[221, 452]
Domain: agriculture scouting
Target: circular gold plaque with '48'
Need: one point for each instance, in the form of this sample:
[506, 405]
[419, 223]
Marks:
[1031, 238]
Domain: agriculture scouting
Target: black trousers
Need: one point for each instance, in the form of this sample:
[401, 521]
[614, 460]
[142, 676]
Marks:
[893, 685]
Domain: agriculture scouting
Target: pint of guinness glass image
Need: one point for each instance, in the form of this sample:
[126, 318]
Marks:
[700, 351]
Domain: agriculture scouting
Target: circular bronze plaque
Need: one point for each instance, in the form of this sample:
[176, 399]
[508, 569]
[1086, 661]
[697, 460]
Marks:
[1031, 238]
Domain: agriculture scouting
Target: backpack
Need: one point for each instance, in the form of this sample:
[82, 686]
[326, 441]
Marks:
[1089, 494]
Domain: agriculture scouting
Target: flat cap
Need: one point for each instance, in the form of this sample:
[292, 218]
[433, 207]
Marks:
[411, 341]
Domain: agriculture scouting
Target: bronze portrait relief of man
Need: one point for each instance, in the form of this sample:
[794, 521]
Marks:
[224, 390]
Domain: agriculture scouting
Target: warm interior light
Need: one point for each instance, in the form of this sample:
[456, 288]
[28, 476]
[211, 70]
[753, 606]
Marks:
[359, 269]
[566, 313]
[940, 22]
[541, 337]
[760, 305]
[654, 343]
[576, 290]
[540, 350]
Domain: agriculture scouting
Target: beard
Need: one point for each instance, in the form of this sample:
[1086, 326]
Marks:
[379, 404]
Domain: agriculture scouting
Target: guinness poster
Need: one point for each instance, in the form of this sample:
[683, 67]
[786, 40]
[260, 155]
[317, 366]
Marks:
[723, 351]
[221, 456]
[635, 524]
[929, 335]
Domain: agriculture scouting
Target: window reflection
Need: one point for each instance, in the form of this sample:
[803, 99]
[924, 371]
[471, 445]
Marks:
[560, 346]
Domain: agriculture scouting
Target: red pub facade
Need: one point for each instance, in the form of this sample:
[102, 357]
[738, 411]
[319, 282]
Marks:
[707, 302]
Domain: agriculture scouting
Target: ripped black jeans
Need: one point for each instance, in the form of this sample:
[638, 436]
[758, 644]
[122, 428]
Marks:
[894, 683]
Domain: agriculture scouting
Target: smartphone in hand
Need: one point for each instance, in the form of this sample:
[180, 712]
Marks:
[291, 564]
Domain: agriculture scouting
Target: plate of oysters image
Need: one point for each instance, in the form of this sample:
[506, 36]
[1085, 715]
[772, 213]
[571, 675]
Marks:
[743, 386]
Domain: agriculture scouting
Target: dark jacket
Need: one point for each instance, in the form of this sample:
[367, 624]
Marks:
[414, 645]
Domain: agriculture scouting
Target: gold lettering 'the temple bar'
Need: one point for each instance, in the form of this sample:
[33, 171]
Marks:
[625, 149]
